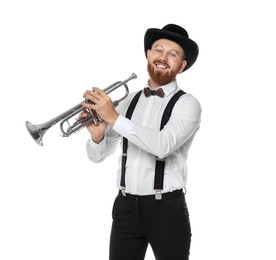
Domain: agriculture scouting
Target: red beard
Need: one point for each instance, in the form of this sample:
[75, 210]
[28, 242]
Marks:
[161, 78]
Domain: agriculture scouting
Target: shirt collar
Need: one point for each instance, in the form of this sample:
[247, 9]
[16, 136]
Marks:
[168, 88]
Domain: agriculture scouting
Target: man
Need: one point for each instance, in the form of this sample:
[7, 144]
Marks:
[150, 207]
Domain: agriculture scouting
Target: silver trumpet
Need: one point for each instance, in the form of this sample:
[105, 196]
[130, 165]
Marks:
[37, 131]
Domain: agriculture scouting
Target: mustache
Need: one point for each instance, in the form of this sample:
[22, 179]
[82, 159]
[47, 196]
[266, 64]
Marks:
[161, 62]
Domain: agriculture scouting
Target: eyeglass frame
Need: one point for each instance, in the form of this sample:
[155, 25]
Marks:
[168, 53]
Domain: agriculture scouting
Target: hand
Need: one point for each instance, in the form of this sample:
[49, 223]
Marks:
[102, 104]
[96, 131]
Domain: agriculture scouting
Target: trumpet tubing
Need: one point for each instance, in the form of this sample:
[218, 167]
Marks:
[37, 131]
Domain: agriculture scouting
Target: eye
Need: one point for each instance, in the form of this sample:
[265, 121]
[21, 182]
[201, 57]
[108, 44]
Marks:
[173, 54]
[158, 50]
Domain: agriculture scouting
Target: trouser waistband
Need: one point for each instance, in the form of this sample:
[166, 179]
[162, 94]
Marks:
[165, 196]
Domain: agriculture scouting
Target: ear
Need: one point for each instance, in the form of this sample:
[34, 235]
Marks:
[183, 65]
[148, 53]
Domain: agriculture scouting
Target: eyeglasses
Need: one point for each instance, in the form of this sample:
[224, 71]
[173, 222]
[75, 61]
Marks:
[172, 54]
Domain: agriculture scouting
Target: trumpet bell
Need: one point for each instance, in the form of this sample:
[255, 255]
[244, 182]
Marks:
[35, 133]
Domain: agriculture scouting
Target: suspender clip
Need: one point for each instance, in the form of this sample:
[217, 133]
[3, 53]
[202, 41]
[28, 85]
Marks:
[160, 160]
[158, 195]
[123, 190]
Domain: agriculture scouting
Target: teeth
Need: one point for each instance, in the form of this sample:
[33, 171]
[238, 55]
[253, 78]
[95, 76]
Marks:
[161, 66]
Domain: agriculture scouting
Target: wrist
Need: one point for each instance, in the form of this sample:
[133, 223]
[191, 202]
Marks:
[113, 119]
[97, 139]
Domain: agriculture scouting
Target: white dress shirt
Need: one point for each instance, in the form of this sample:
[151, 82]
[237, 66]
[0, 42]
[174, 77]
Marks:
[146, 141]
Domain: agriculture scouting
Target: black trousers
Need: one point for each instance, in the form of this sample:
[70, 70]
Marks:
[142, 220]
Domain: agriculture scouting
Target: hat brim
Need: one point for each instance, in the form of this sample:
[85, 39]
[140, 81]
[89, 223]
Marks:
[189, 46]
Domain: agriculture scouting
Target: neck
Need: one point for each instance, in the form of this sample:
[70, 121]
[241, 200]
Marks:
[152, 84]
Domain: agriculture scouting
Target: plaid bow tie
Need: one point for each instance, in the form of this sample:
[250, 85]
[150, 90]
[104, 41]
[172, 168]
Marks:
[159, 92]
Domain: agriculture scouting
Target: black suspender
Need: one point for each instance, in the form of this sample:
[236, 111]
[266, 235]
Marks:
[160, 163]
[125, 142]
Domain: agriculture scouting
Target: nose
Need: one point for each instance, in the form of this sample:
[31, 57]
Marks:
[163, 55]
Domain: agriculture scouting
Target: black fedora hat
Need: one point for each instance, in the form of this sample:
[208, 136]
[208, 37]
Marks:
[177, 34]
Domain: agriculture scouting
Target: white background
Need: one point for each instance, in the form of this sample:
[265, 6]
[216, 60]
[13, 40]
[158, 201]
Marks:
[55, 204]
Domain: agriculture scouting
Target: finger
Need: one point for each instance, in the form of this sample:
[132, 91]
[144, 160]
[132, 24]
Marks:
[82, 115]
[99, 93]
[88, 105]
[97, 90]
[93, 97]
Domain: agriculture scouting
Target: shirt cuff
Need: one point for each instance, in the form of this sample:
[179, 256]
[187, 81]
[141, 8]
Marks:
[97, 147]
[123, 126]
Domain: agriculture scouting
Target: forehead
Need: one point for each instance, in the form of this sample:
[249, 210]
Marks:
[168, 44]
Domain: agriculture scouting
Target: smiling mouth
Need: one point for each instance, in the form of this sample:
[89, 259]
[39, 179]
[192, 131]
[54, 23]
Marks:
[161, 66]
